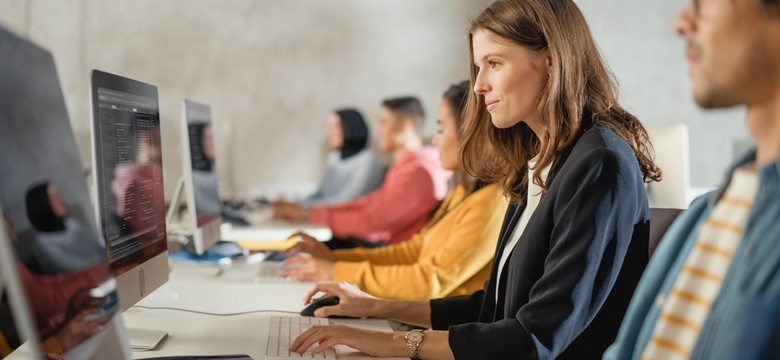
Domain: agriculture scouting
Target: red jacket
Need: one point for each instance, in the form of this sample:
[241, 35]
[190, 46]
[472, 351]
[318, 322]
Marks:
[412, 188]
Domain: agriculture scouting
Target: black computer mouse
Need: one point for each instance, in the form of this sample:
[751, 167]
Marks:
[318, 303]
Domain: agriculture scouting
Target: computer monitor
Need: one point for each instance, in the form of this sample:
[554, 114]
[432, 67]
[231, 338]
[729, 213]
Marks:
[128, 180]
[201, 220]
[58, 257]
[671, 155]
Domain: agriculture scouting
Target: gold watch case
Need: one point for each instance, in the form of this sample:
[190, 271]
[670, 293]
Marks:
[413, 340]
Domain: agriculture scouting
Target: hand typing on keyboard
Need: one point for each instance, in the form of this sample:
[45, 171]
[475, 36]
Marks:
[309, 268]
[283, 331]
[373, 343]
[354, 303]
[310, 245]
[272, 271]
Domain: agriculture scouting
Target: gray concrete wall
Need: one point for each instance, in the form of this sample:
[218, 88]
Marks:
[273, 69]
[639, 44]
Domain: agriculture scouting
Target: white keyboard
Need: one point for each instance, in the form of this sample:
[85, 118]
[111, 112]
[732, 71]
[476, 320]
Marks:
[269, 271]
[283, 331]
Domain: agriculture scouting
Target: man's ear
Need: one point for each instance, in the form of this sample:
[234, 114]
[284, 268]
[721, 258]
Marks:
[405, 124]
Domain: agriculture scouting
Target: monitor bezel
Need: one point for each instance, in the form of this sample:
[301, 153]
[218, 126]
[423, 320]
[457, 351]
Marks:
[207, 235]
[139, 281]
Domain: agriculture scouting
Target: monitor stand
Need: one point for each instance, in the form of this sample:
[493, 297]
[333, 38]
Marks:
[143, 336]
[172, 207]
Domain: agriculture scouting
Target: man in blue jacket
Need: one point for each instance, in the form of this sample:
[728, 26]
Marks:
[712, 289]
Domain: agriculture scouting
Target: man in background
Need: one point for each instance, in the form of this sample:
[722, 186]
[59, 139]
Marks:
[414, 185]
[712, 289]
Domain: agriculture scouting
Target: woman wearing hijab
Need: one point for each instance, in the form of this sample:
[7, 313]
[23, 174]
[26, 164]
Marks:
[62, 244]
[352, 170]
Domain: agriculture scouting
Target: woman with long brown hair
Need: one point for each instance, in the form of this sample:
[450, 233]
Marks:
[543, 121]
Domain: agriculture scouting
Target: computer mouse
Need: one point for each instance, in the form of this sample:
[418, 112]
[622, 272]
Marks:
[318, 303]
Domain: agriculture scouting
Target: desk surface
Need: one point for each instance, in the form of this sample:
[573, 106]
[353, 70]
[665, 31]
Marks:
[236, 289]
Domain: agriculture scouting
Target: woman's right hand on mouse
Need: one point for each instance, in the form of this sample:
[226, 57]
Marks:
[352, 301]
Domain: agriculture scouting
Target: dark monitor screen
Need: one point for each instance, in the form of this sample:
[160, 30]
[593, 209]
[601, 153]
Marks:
[202, 159]
[129, 173]
[58, 253]
[127, 161]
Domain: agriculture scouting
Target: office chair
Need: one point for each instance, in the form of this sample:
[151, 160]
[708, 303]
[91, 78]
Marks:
[660, 220]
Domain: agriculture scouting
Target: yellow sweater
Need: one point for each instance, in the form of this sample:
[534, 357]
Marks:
[452, 257]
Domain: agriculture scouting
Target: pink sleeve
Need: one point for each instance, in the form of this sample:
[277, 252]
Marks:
[405, 197]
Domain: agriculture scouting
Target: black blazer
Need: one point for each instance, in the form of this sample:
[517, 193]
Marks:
[567, 283]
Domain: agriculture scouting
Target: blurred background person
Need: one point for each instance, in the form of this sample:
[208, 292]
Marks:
[450, 256]
[204, 172]
[61, 243]
[352, 169]
[414, 185]
[134, 183]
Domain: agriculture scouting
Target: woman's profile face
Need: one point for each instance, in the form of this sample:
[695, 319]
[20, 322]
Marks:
[510, 79]
[335, 132]
[389, 130]
[446, 138]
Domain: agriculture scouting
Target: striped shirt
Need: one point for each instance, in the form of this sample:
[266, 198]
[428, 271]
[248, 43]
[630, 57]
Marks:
[686, 307]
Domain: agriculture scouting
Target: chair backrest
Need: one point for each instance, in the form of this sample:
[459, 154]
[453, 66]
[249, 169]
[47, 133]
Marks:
[660, 220]
[670, 143]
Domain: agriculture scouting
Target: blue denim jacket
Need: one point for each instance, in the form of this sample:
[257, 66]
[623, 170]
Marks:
[744, 322]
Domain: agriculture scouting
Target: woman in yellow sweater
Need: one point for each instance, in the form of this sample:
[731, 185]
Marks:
[450, 256]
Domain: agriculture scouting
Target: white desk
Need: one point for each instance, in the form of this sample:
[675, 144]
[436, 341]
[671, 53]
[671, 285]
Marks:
[236, 290]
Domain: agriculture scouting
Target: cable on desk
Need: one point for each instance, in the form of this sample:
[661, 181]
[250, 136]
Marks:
[213, 314]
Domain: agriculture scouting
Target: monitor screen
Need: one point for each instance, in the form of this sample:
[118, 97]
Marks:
[200, 136]
[203, 218]
[202, 158]
[58, 254]
[128, 177]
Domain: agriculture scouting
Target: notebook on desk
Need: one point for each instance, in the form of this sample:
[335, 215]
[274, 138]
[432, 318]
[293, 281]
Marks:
[273, 235]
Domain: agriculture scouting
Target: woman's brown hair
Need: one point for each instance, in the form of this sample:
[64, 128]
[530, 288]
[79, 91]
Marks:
[580, 94]
[456, 96]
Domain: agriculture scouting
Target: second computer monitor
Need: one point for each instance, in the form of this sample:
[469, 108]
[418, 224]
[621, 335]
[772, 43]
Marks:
[199, 184]
[127, 161]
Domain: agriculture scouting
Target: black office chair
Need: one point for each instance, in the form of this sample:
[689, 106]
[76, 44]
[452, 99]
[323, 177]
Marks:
[660, 220]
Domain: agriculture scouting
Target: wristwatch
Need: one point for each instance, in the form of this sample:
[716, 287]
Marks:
[413, 340]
